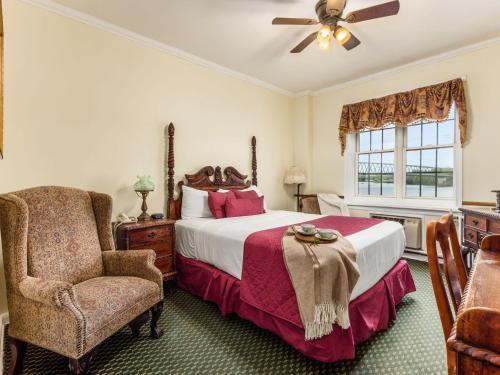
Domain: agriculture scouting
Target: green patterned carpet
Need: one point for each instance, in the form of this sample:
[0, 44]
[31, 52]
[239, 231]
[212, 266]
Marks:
[198, 340]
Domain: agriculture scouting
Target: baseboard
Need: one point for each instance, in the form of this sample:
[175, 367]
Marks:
[4, 320]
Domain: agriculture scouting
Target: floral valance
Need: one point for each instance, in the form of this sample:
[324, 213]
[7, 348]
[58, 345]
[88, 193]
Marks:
[431, 102]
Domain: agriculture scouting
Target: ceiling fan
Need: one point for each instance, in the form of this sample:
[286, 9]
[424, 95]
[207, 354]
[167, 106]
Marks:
[329, 15]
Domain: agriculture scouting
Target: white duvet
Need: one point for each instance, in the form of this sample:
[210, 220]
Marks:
[220, 242]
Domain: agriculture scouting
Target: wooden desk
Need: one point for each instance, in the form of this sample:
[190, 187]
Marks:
[475, 336]
[477, 223]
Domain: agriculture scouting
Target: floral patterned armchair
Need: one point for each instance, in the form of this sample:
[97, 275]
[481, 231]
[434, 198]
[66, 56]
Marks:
[67, 288]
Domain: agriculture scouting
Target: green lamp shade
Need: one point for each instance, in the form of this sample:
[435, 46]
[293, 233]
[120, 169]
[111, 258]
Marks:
[144, 183]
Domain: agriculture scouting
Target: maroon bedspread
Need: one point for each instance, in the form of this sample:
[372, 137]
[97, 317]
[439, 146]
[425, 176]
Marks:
[265, 283]
[369, 313]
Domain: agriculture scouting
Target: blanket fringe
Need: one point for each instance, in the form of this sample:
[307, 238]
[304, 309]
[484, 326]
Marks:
[325, 315]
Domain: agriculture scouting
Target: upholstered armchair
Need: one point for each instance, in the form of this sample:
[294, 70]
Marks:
[67, 288]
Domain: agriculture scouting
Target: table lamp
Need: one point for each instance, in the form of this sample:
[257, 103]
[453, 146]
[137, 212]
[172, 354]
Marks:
[295, 176]
[142, 188]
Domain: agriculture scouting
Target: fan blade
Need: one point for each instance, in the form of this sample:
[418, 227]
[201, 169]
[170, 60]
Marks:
[294, 21]
[353, 42]
[383, 10]
[308, 40]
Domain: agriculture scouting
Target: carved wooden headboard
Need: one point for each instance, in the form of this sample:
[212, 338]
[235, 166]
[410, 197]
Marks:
[207, 178]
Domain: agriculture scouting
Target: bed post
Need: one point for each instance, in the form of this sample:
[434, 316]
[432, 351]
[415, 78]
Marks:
[254, 161]
[170, 172]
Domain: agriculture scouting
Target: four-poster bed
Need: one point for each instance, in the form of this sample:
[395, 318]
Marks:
[237, 263]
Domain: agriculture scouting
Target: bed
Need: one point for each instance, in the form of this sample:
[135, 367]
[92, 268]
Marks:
[236, 263]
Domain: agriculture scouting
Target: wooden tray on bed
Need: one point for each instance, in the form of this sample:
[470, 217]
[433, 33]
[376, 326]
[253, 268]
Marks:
[312, 239]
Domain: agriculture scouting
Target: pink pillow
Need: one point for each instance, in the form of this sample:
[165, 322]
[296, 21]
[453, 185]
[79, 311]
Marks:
[217, 203]
[244, 207]
[249, 194]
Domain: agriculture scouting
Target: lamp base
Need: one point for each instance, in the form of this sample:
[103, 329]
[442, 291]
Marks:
[144, 207]
[144, 217]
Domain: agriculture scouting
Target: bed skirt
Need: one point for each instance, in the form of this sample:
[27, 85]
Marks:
[369, 313]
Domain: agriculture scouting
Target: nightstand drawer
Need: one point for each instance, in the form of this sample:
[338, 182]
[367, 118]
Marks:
[150, 235]
[165, 264]
[157, 235]
[160, 248]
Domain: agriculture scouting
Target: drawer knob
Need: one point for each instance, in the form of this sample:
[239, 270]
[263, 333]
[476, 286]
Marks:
[470, 235]
[475, 222]
[152, 235]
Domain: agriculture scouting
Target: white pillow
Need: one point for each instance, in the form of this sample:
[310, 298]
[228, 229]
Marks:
[253, 187]
[194, 203]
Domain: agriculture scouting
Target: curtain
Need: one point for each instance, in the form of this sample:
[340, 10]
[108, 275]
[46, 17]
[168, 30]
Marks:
[431, 102]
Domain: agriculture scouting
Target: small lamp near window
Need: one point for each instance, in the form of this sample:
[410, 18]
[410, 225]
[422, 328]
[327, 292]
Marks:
[295, 176]
[142, 187]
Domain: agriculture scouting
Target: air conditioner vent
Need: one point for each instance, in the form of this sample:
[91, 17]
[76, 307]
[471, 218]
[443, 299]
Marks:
[412, 227]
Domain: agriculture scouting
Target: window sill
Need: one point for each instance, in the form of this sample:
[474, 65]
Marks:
[412, 204]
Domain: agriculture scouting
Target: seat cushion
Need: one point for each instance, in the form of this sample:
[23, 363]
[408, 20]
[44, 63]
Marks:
[114, 300]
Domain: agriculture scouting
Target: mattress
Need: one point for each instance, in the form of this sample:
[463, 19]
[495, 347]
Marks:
[220, 243]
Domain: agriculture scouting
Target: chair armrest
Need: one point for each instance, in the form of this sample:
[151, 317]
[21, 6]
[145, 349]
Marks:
[49, 292]
[138, 263]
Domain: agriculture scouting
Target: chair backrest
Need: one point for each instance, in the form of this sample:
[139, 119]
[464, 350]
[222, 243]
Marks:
[491, 243]
[62, 241]
[445, 233]
[310, 205]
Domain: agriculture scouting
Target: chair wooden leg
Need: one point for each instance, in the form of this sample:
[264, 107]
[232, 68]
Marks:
[81, 365]
[18, 352]
[156, 311]
[136, 324]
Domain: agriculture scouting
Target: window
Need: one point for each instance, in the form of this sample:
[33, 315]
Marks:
[429, 159]
[376, 161]
[406, 163]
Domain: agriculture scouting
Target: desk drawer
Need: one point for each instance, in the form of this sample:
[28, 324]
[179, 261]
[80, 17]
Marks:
[470, 236]
[476, 222]
[494, 227]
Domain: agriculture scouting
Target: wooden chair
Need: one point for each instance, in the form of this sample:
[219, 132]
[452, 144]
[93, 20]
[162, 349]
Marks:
[491, 242]
[444, 232]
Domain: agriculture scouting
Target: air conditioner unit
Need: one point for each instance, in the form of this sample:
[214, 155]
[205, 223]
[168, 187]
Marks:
[412, 227]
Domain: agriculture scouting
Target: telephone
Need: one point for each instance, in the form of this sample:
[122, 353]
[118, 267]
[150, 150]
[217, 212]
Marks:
[123, 218]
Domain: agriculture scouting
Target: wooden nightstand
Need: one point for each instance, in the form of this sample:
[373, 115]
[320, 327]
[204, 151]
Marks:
[158, 235]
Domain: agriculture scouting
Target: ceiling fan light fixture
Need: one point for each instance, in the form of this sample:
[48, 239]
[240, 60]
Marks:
[325, 32]
[324, 37]
[342, 35]
[324, 44]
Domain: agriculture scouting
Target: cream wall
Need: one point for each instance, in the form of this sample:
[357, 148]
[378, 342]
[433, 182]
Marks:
[481, 157]
[88, 108]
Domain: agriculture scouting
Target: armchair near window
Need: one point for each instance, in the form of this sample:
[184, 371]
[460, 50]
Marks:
[67, 288]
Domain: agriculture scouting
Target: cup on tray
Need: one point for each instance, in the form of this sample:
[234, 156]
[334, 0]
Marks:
[308, 229]
[326, 234]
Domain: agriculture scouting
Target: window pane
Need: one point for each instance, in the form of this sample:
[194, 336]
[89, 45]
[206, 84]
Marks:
[413, 134]
[388, 173]
[446, 132]
[364, 141]
[428, 178]
[376, 140]
[389, 138]
[445, 172]
[413, 173]
[363, 165]
[429, 134]
[375, 174]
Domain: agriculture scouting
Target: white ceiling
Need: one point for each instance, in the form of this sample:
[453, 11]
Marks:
[237, 34]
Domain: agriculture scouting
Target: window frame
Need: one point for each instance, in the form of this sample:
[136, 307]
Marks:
[399, 199]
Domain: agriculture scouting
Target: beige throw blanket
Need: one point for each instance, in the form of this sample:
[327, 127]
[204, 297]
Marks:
[323, 277]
